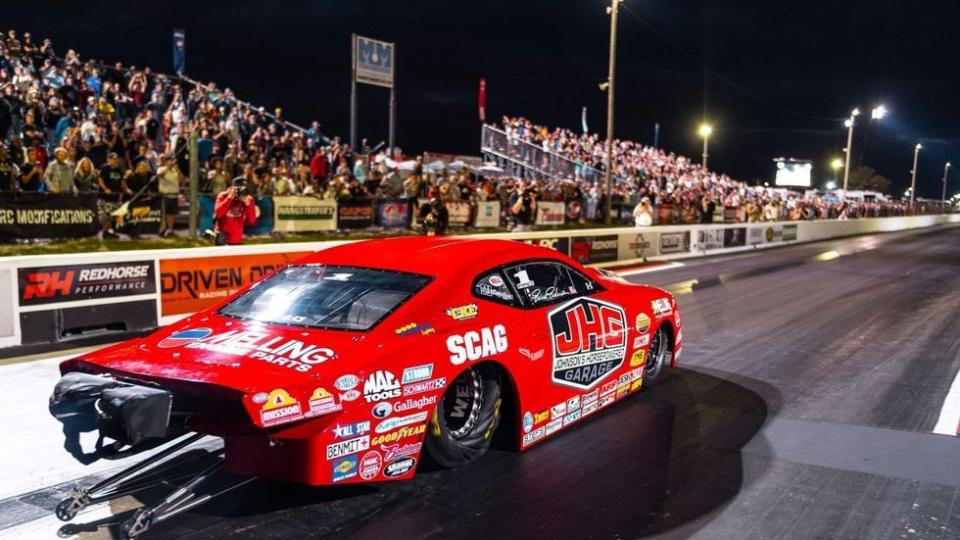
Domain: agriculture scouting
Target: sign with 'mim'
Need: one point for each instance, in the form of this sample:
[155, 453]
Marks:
[373, 61]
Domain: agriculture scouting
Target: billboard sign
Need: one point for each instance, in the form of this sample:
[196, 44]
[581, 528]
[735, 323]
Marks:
[373, 61]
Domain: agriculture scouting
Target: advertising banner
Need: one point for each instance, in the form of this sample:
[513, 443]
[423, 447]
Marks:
[557, 244]
[193, 284]
[789, 233]
[67, 283]
[574, 210]
[460, 213]
[263, 225]
[394, 213]
[735, 237]
[754, 235]
[145, 217]
[294, 214]
[550, 213]
[488, 214]
[373, 61]
[773, 233]
[39, 215]
[594, 249]
[355, 214]
[674, 242]
[709, 239]
[638, 245]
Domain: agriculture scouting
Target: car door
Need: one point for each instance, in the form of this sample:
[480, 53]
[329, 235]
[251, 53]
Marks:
[577, 338]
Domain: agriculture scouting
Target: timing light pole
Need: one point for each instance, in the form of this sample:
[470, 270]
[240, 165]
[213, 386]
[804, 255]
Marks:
[608, 174]
[913, 174]
[846, 168]
[946, 170]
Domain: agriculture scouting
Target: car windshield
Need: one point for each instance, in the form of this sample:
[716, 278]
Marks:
[332, 297]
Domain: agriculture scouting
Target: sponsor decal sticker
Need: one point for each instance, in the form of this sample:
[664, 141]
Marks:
[391, 424]
[636, 384]
[541, 416]
[322, 402]
[402, 433]
[414, 403]
[534, 435]
[608, 388]
[554, 425]
[533, 356]
[642, 323]
[279, 408]
[661, 307]
[474, 345]
[462, 313]
[424, 386]
[638, 358]
[265, 347]
[344, 468]
[424, 329]
[589, 408]
[350, 395]
[399, 467]
[394, 451]
[370, 465]
[417, 373]
[351, 446]
[573, 403]
[641, 341]
[346, 382]
[571, 418]
[607, 400]
[588, 337]
[495, 281]
[380, 385]
[382, 410]
[183, 337]
[351, 430]
[527, 422]
[559, 409]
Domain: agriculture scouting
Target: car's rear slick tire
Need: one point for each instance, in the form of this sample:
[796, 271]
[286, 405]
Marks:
[658, 356]
[465, 419]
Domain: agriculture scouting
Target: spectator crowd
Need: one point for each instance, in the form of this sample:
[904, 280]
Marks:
[72, 125]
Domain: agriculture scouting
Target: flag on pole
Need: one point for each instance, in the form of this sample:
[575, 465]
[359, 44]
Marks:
[482, 100]
[179, 51]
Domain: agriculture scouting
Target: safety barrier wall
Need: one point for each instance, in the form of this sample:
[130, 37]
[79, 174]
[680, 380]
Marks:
[61, 298]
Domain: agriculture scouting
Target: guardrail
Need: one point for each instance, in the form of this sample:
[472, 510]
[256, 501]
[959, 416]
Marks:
[543, 163]
[62, 298]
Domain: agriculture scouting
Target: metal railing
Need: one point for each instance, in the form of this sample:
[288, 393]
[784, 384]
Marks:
[536, 161]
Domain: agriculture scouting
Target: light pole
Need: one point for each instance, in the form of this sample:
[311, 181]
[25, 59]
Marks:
[846, 168]
[611, 76]
[913, 174]
[946, 170]
[705, 131]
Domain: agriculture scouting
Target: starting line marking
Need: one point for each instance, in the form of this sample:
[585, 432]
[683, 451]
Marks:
[657, 268]
[949, 422]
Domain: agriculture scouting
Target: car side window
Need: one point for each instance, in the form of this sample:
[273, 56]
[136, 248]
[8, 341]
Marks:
[491, 286]
[542, 283]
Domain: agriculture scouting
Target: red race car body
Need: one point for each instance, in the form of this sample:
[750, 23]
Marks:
[349, 365]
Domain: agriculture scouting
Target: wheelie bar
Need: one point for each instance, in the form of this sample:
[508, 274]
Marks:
[147, 474]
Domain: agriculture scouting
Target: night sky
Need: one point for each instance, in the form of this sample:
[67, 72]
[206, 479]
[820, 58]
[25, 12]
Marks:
[782, 74]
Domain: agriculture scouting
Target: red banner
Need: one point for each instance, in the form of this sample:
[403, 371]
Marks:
[482, 100]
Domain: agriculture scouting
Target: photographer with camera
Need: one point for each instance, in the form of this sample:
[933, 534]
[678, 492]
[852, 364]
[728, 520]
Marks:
[523, 206]
[433, 217]
[233, 210]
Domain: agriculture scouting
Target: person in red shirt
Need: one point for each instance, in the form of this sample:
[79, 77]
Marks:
[319, 167]
[233, 210]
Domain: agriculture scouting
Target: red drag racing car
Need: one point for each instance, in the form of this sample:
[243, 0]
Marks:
[358, 361]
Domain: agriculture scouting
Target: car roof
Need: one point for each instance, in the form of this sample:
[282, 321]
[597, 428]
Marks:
[430, 255]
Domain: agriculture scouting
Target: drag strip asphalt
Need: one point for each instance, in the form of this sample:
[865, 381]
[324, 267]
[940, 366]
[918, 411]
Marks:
[811, 382]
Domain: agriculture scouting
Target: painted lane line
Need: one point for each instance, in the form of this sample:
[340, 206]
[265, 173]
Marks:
[949, 422]
[657, 268]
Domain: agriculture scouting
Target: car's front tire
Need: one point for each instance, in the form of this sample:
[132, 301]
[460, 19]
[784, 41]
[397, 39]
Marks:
[466, 418]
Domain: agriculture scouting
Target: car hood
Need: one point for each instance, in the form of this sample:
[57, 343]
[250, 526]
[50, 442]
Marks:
[243, 355]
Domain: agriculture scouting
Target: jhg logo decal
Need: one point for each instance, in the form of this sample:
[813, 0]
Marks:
[48, 284]
[589, 341]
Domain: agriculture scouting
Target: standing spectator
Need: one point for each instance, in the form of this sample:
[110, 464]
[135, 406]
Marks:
[169, 178]
[523, 206]
[85, 176]
[9, 171]
[393, 184]
[111, 192]
[58, 178]
[707, 208]
[136, 180]
[217, 177]
[233, 210]
[319, 168]
[643, 213]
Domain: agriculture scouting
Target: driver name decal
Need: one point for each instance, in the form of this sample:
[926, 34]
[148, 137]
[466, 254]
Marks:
[589, 341]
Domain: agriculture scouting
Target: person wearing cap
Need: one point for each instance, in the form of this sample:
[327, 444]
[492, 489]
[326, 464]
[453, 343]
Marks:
[233, 210]
[169, 178]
